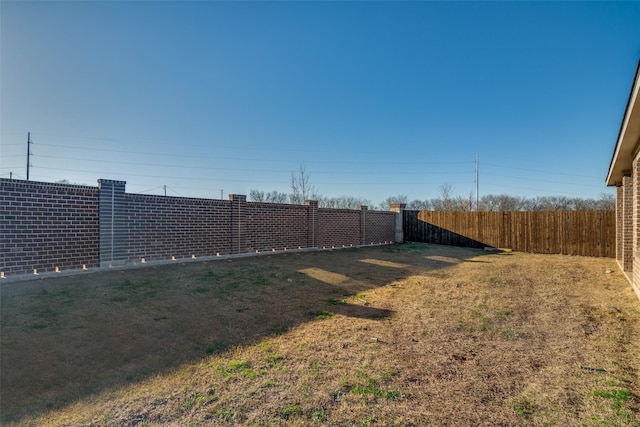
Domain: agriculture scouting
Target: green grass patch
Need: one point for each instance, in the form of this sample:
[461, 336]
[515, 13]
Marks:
[372, 388]
[523, 408]
[240, 368]
[619, 398]
[322, 314]
[291, 411]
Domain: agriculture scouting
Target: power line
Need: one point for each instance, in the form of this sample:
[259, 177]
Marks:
[244, 159]
[28, 152]
[321, 172]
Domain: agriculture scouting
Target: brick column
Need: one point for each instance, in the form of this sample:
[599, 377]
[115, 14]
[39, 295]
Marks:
[635, 242]
[398, 208]
[112, 222]
[619, 221]
[312, 223]
[363, 224]
[627, 223]
[238, 223]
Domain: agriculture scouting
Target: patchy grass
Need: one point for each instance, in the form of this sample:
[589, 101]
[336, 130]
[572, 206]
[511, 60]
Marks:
[398, 335]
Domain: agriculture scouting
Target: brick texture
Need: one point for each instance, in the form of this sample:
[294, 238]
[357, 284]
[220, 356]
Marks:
[627, 220]
[44, 226]
[635, 280]
[275, 226]
[339, 227]
[381, 227]
[619, 222]
[159, 227]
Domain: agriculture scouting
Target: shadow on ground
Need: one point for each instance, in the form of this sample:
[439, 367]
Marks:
[69, 337]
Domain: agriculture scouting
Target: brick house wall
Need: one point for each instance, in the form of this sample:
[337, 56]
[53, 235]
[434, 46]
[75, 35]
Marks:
[624, 174]
[619, 222]
[635, 280]
[627, 223]
[44, 226]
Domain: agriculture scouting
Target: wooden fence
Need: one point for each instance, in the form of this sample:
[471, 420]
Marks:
[587, 233]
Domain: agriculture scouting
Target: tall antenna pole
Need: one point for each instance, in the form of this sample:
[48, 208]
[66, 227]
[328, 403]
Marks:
[28, 153]
[477, 164]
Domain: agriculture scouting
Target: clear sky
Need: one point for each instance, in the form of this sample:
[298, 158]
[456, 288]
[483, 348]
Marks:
[375, 98]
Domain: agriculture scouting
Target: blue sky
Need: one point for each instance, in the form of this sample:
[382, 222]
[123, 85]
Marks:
[375, 99]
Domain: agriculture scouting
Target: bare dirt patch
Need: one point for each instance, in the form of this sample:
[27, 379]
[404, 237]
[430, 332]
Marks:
[407, 335]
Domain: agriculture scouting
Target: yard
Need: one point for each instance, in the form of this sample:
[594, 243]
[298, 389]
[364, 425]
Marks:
[406, 335]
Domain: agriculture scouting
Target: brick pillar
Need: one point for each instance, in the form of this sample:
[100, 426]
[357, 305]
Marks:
[627, 223]
[112, 222]
[363, 224]
[238, 223]
[619, 221]
[635, 244]
[398, 208]
[312, 223]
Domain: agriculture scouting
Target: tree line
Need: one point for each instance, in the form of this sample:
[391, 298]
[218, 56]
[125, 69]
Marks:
[302, 189]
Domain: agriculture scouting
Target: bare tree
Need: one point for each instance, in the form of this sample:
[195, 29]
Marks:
[301, 188]
[343, 202]
[465, 204]
[401, 198]
[419, 205]
[607, 202]
[501, 203]
[268, 197]
[445, 201]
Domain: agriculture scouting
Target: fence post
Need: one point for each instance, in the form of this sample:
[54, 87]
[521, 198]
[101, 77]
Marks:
[398, 208]
[363, 224]
[111, 220]
[238, 223]
[312, 223]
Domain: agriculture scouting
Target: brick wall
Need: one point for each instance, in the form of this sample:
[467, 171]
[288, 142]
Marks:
[159, 227]
[44, 226]
[381, 227]
[276, 226]
[339, 227]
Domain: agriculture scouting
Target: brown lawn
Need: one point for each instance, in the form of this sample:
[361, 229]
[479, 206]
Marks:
[409, 335]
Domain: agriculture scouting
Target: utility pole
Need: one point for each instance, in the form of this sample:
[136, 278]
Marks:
[221, 194]
[28, 152]
[165, 190]
[477, 164]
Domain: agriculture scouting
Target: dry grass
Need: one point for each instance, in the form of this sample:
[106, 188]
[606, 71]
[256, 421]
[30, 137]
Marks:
[409, 335]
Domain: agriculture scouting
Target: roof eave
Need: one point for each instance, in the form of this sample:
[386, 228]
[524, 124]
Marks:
[628, 135]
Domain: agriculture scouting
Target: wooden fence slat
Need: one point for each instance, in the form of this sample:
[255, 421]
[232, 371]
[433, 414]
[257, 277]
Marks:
[588, 233]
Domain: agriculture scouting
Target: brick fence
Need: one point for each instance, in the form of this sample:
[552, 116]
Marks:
[48, 227]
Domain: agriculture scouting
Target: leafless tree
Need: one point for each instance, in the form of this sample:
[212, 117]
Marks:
[301, 188]
[419, 205]
[465, 204]
[343, 202]
[607, 202]
[268, 197]
[445, 201]
[501, 203]
[401, 198]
